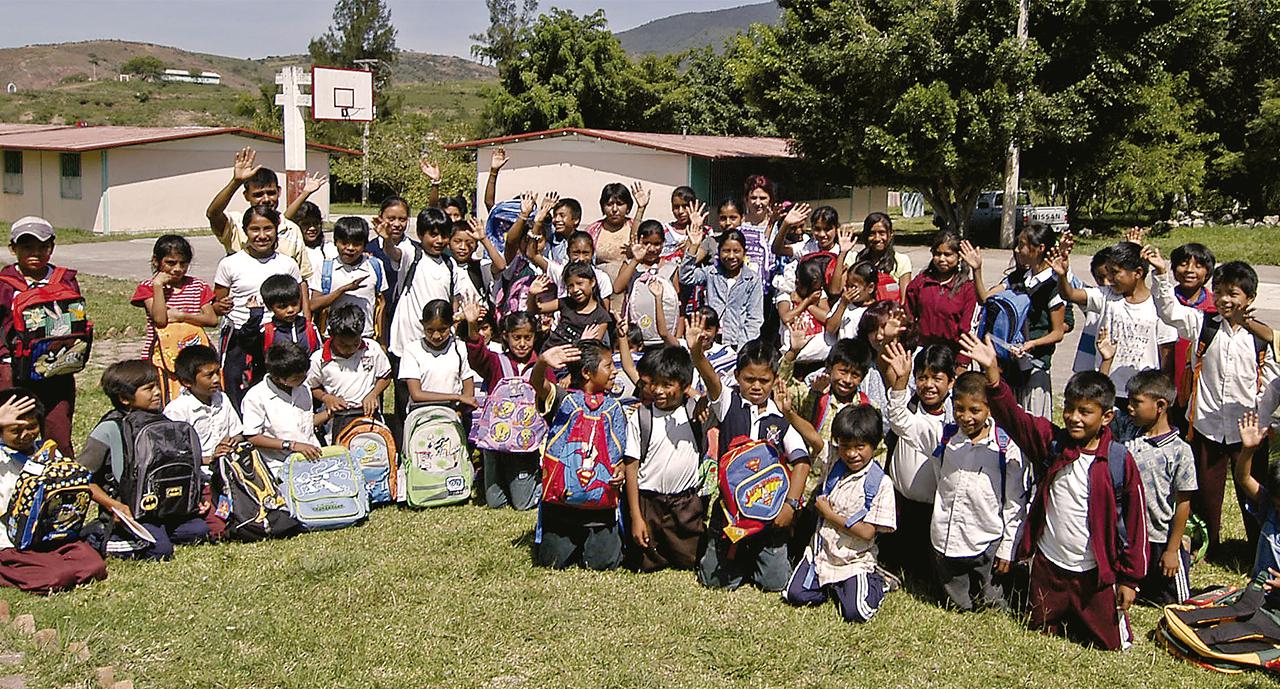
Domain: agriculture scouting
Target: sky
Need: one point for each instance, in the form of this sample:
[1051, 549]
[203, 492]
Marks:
[259, 28]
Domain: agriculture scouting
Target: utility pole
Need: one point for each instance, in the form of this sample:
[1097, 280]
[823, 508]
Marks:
[1012, 160]
[295, 104]
[371, 65]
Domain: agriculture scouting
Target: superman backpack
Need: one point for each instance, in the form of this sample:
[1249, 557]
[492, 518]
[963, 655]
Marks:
[753, 486]
[509, 421]
[373, 447]
[50, 500]
[587, 437]
[52, 334]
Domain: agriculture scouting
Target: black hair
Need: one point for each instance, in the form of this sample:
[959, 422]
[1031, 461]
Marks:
[734, 235]
[970, 384]
[122, 379]
[593, 352]
[437, 309]
[581, 236]
[1193, 251]
[280, 291]
[650, 228]
[710, 317]
[193, 358]
[1236, 274]
[286, 359]
[435, 221]
[578, 269]
[858, 423]
[346, 320]
[634, 335]
[460, 226]
[308, 214]
[264, 177]
[617, 191]
[17, 393]
[962, 274]
[673, 363]
[686, 194]
[811, 273]
[459, 202]
[866, 272]
[394, 201]
[644, 366]
[758, 353]
[886, 262]
[517, 319]
[351, 229]
[575, 208]
[827, 216]
[168, 245]
[1039, 234]
[1099, 260]
[1091, 386]
[879, 313]
[1128, 256]
[936, 358]
[1151, 383]
[730, 201]
[261, 210]
[856, 354]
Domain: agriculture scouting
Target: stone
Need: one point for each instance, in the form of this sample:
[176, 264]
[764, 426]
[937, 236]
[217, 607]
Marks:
[1271, 219]
[13, 682]
[1197, 223]
[46, 639]
[1197, 214]
[4, 611]
[123, 684]
[24, 625]
[79, 650]
[106, 676]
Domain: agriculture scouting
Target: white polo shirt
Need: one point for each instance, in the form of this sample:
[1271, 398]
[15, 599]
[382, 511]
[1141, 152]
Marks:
[433, 279]
[350, 378]
[441, 370]
[243, 276]
[270, 411]
[213, 422]
[366, 295]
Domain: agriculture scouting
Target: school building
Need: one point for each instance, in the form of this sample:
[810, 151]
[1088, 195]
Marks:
[130, 179]
[577, 162]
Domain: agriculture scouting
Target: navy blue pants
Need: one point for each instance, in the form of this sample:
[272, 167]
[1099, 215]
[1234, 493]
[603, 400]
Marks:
[857, 598]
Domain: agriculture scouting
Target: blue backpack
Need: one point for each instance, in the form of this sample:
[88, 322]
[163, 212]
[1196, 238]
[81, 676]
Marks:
[1004, 318]
[501, 218]
[327, 492]
[326, 275]
[870, 487]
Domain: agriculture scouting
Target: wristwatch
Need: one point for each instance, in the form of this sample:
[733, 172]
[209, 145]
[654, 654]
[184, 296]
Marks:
[286, 445]
[794, 503]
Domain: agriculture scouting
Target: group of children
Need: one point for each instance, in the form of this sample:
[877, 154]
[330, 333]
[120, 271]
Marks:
[869, 424]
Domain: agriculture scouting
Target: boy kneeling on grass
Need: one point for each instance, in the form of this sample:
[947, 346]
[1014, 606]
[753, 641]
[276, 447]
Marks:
[1086, 529]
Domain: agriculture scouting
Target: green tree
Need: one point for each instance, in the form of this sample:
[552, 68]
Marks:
[396, 147]
[500, 44]
[897, 92]
[697, 92]
[361, 30]
[149, 67]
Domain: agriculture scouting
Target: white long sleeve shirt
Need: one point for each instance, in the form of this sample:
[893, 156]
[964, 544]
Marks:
[1228, 385]
[970, 511]
[919, 433]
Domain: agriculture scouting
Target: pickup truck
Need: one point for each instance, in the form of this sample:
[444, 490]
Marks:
[985, 221]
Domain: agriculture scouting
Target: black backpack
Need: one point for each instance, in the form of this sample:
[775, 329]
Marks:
[161, 480]
[249, 498]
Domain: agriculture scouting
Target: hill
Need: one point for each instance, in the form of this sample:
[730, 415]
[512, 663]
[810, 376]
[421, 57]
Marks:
[36, 67]
[681, 32]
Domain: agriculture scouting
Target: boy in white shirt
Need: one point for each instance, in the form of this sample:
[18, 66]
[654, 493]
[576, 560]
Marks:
[663, 470]
[981, 496]
[1231, 364]
[202, 403]
[277, 411]
[349, 374]
[354, 277]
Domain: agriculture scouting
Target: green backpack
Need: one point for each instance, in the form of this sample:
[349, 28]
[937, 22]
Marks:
[437, 469]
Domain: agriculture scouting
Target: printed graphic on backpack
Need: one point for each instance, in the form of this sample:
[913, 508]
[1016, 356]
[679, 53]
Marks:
[509, 420]
[373, 447]
[437, 469]
[753, 487]
[326, 492]
[580, 456]
[50, 501]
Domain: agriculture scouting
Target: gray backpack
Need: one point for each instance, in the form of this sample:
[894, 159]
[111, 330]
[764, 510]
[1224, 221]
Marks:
[161, 481]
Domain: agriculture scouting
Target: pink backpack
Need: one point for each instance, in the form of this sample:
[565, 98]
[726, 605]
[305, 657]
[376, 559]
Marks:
[509, 421]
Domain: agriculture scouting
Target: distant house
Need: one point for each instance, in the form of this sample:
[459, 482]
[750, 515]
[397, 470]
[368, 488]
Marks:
[128, 179]
[577, 162]
[191, 77]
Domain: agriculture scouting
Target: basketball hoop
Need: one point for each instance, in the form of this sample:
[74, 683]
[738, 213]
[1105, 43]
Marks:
[341, 94]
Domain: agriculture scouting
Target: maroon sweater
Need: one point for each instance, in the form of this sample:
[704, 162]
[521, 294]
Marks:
[940, 313]
[1049, 450]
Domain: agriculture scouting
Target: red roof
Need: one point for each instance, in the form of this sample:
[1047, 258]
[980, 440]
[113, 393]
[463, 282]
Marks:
[70, 138]
[712, 147]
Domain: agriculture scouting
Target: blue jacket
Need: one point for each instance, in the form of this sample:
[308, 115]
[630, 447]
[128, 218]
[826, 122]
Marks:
[741, 306]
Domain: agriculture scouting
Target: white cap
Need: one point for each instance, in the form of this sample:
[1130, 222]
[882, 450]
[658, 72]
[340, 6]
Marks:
[32, 225]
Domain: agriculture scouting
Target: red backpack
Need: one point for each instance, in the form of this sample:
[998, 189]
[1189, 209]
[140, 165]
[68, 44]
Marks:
[52, 334]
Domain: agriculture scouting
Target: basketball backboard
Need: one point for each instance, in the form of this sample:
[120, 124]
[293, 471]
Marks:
[341, 94]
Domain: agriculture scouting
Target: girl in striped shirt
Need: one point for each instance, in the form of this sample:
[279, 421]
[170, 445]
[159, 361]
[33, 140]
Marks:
[171, 295]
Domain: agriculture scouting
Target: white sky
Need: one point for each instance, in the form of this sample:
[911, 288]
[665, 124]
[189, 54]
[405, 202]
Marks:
[259, 28]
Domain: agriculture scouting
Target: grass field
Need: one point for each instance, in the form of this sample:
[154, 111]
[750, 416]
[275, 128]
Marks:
[1255, 245]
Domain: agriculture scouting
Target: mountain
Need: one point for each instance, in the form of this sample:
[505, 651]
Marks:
[681, 32]
[36, 67]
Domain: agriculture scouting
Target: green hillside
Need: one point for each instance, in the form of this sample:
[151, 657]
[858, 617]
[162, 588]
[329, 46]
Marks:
[681, 32]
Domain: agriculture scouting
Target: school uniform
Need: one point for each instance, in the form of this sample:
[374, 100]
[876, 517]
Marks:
[510, 479]
[1030, 376]
[941, 310]
[669, 479]
[762, 558]
[1167, 468]
[289, 242]
[42, 570]
[213, 422]
[281, 414]
[912, 438]
[839, 565]
[437, 370]
[1230, 384]
[243, 276]
[350, 379]
[739, 300]
[317, 255]
[365, 297]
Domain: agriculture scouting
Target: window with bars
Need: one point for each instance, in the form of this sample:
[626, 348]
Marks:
[69, 176]
[13, 172]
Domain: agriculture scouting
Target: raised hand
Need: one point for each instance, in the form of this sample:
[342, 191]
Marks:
[549, 201]
[980, 351]
[1105, 345]
[798, 334]
[782, 399]
[697, 233]
[846, 237]
[595, 331]
[472, 311]
[1251, 434]
[798, 214]
[431, 170]
[971, 255]
[15, 408]
[558, 357]
[1137, 235]
[380, 228]
[640, 194]
[1059, 261]
[897, 362]
[540, 284]
[476, 228]
[314, 183]
[498, 160]
[697, 214]
[527, 201]
[1067, 243]
[639, 251]
[1159, 265]
[695, 332]
[244, 167]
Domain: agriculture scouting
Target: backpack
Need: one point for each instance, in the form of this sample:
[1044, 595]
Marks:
[1004, 317]
[1235, 632]
[269, 337]
[1186, 396]
[418, 253]
[509, 420]
[170, 341]
[249, 498]
[587, 441]
[501, 217]
[753, 486]
[870, 488]
[374, 448]
[887, 287]
[1116, 454]
[52, 334]
[50, 500]
[643, 308]
[511, 293]
[437, 469]
[161, 480]
[326, 275]
[326, 492]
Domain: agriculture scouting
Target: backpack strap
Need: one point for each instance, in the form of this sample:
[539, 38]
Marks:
[1116, 455]
[413, 269]
[824, 403]
[326, 276]
[1002, 449]
[645, 416]
[504, 363]
[1209, 327]
[268, 336]
[312, 334]
[948, 432]
[377, 274]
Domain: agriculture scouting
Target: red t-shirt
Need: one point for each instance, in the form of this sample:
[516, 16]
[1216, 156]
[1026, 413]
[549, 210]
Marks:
[188, 296]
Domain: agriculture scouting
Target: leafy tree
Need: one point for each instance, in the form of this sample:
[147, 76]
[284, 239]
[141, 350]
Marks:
[361, 30]
[914, 95]
[149, 67]
[698, 92]
[396, 147]
[500, 44]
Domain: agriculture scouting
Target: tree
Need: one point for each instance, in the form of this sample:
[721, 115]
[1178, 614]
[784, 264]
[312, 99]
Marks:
[395, 148]
[361, 30]
[149, 67]
[500, 44]
[897, 92]
[698, 92]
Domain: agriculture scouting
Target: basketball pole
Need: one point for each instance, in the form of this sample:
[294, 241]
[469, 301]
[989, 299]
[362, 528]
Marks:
[294, 104]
